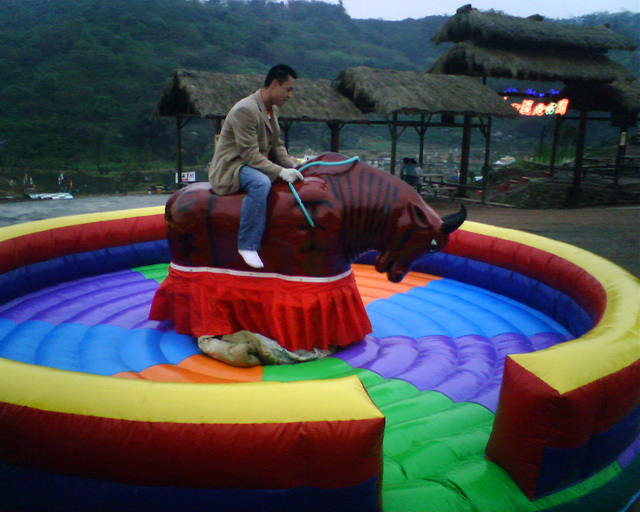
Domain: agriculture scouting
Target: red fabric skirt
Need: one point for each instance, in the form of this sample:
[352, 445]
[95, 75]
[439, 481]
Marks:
[298, 312]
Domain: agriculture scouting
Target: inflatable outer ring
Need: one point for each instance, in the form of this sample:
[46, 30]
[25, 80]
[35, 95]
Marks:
[322, 438]
[608, 353]
[576, 401]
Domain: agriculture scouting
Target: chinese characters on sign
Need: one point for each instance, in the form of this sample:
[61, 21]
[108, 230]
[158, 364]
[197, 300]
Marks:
[543, 105]
[531, 108]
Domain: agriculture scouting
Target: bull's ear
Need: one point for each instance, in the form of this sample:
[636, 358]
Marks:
[419, 217]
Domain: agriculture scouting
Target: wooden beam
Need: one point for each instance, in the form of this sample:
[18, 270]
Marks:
[422, 130]
[575, 192]
[179, 130]
[554, 145]
[180, 124]
[464, 157]
[285, 126]
[620, 153]
[335, 128]
[394, 141]
[487, 160]
[418, 124]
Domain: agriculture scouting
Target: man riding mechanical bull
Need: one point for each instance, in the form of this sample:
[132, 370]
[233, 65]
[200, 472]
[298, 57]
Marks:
[296, 299]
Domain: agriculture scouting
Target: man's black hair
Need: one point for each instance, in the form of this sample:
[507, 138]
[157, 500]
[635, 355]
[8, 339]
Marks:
[279, 72]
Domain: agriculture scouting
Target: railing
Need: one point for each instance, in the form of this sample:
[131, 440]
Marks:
[433, 186]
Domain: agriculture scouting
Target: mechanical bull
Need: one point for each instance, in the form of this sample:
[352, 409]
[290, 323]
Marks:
[305, 297]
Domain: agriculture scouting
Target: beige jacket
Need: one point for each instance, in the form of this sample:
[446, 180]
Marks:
[248, 137]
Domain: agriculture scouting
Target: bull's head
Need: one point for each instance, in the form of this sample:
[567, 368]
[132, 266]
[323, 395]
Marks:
[420, 232]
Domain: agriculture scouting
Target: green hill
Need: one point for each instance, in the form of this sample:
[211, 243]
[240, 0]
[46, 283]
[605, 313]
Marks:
[80, 78]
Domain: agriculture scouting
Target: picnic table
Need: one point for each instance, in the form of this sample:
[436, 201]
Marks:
[428, 185]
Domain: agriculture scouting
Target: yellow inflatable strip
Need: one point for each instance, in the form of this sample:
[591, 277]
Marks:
[612, 345]
[49, 389]
[37, 226]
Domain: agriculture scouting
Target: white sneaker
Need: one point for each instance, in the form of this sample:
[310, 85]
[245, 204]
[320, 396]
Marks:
[251, 258]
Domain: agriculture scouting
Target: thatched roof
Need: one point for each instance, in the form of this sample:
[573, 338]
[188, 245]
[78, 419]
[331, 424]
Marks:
[474, 59]
[211, 95]
[500, 30]
[201, 94]
[317, 100]
[623, 95]
[385, 92]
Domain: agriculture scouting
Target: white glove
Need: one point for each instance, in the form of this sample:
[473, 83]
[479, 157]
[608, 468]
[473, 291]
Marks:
[291, 175]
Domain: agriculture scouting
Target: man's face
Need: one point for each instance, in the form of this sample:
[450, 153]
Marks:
[281, 93]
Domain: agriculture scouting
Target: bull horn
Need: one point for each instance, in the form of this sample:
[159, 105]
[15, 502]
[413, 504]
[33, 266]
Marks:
[453, 221]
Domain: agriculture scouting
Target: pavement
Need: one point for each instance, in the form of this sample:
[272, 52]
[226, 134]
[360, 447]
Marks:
[29, 210]
[609, 231]
[612, 232]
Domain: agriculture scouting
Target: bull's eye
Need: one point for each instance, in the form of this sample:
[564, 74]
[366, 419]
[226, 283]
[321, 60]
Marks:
[434, 246]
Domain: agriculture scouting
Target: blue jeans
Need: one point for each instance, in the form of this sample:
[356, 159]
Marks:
[254, 208]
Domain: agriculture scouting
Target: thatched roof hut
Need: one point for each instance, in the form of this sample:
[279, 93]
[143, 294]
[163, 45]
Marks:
[476, 59]
[500, 30]
[317, 100]
[625, 94]
[386, 92]
[622, 95]
[211, 95]
[495, 45]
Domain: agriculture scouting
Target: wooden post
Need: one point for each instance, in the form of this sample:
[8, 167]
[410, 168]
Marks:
[574, 193]
[554, 146]
[394, 141]
[180, 124]
[487, 160]
[179, 129]
[217, 125]
[622, 149]
[421, 132]
[285, 127]
[335, 136]
[464, 157]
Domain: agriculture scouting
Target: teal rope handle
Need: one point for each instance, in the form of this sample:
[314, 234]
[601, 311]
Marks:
[329, 164]
[311, 164]
[304, 210]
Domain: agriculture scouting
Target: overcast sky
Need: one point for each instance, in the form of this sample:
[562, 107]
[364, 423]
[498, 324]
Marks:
[401, 9]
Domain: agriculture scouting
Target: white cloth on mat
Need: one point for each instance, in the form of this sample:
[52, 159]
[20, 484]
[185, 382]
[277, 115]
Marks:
[245, 348]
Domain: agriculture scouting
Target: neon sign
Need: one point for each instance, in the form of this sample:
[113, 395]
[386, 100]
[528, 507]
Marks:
[531, 108]
[530, 92]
